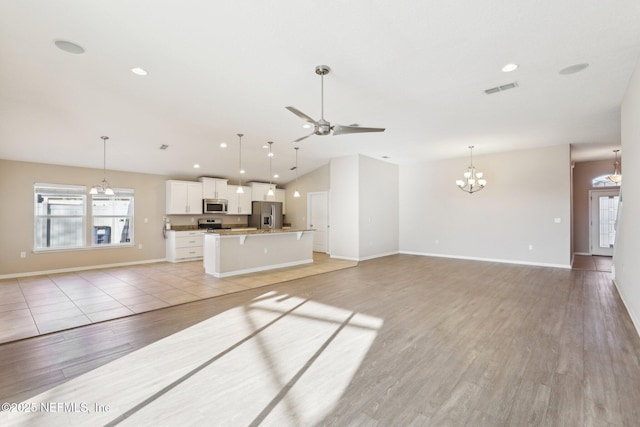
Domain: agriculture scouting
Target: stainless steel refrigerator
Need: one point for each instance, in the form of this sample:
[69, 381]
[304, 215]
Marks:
[266, 215]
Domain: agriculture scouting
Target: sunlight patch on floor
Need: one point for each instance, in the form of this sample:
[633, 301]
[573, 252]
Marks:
[280, 360]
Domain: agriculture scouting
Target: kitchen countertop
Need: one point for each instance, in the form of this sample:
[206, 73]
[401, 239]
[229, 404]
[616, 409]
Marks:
[239, 232]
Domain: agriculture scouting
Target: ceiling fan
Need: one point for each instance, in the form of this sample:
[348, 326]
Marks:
[323, 127]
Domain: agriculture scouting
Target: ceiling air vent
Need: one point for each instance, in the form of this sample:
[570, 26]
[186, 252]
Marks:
[164, 146]
[501, 88]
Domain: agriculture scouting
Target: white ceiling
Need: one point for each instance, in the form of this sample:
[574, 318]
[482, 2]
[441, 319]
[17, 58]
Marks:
[217, 68]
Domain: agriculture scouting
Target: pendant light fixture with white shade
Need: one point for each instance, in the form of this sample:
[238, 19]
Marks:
[240, 190]
[616, 176]
[296, 193]
[270, 192]
[103, 187]
[473, 180]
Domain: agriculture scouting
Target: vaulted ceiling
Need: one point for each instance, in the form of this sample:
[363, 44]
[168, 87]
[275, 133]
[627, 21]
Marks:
[218, 68]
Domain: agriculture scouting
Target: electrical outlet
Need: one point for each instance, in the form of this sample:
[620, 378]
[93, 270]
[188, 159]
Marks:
[23, 254]
[530, 247]
[265, 250]
[139, 245]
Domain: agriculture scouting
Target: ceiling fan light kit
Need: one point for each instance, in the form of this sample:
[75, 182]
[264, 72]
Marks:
[323, 127]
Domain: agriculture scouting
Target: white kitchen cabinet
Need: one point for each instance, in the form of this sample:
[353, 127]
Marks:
[280, 197]
[184, 245]
[239, 204]
[213, 188]
[259, 192]
[183, 197]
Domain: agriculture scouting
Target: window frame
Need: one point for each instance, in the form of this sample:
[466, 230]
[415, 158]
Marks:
[87, 217]
[60, 190]
[119, 193]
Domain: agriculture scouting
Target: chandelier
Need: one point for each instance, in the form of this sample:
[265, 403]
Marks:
[103, 187]
[473, 180]
[616, 176]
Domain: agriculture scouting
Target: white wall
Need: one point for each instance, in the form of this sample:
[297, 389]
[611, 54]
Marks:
[364, 208]
[344, 208]
[379, 214]
[627, 252]
[526, 191]
[316, 180]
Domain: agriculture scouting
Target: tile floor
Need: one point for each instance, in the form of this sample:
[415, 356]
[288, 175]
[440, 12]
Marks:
[36, 305]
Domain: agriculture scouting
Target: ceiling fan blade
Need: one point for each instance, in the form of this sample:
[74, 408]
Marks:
[300, 114]
[340, 129]
[304, 137]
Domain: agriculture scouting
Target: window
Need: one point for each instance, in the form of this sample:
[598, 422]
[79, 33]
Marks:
[112, 218]
[60, 212]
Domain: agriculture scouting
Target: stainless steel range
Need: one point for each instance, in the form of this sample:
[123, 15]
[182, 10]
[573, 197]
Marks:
[211, 224]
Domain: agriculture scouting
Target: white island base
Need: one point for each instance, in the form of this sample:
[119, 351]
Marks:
[231, 253]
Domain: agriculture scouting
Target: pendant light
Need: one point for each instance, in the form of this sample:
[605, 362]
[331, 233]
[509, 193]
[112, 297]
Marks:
[473, 180]
[296, 193]
[241, 171]
[616, 176]
[103, 187]
[270, 192]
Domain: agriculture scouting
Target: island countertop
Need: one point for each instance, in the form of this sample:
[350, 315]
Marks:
[233, 232]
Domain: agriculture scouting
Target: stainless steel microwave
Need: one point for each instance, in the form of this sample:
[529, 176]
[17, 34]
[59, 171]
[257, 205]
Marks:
[212, 206]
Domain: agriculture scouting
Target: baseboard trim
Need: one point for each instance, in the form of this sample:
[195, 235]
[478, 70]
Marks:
[257, 269]
[503, 261]
[73, 269]
[366, 257]
[634, 319]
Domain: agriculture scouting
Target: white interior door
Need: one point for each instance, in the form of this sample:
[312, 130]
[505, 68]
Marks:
[602, 221]
[318, 219]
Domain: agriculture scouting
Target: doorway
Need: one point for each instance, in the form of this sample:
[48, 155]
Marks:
[603, 212]
[318, 219]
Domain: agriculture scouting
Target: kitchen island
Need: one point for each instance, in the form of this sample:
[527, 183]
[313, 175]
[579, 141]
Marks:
[229, 252]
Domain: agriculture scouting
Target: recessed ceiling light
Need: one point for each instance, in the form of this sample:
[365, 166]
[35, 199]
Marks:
[275, 175]
[223, 145]
[139, 71]
[241, 170]
[509, 68]
[196, 166]
[68, 46]
[575, 68]
[306, 126]
[265, 146]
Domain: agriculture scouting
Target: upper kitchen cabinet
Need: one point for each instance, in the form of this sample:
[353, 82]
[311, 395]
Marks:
[239, 203]
[183, 197]
[213, 188]
[259, 192]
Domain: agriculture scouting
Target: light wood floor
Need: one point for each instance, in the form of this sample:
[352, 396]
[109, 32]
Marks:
[397, 341]
[37, 305]
[592, 262]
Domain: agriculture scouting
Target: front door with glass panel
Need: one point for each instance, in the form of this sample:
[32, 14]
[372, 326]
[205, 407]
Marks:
[602, 219]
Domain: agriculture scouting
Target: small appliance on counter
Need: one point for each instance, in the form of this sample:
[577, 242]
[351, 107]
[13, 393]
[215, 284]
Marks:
[266, 215]
[211, 224]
